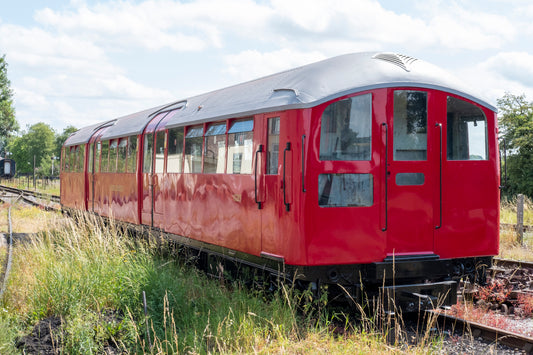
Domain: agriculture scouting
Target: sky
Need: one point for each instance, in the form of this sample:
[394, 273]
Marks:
[80, 62]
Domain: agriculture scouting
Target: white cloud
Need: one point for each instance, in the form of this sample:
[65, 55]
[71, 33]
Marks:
[78, 62]
[501, 73]
[252, 64]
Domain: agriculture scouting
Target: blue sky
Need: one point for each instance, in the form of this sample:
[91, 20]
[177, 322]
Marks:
[79, 62]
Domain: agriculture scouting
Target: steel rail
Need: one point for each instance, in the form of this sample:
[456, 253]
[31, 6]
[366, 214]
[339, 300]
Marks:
[492, 334]
[513, 263]
[9, 254]
[527, 228]
[41, 195]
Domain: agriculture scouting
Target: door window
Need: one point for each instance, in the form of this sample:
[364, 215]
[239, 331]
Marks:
[148, 151]
[410, 125]
[160, 152]
[273, 145]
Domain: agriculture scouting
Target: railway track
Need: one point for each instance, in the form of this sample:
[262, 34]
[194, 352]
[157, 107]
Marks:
[446, 321]
[42, 200]
[478, 330]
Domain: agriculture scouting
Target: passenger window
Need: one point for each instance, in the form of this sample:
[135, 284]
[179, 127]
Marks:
[105, 157]
[132, 154]
[467, 131]
[273, 145]
[175, 150]
[193, 150]
[346, 129]
[410, 125]
[215, 149]
[240, 147]
[122, 155]
[148, 151]
[345, 190]
[113, 145]
[160, 151]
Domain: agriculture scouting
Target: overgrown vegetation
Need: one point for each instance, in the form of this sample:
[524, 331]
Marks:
[93, 279]
[516, 130]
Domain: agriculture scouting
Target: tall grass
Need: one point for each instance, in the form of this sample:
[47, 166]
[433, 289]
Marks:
[508, 211]
[93, 276]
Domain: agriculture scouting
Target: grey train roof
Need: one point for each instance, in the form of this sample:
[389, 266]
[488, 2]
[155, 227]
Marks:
[302, 87]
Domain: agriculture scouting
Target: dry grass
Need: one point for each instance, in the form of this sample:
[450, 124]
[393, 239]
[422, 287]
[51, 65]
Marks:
[511, 249]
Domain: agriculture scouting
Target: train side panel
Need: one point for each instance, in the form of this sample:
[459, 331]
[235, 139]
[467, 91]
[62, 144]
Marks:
[115, 195]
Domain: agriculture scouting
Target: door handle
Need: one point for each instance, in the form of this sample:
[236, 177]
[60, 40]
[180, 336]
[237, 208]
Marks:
[287, 204]
[259, 150]
[385, 128]
[439, 126]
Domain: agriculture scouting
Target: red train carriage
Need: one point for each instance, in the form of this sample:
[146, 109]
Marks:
[334, 172]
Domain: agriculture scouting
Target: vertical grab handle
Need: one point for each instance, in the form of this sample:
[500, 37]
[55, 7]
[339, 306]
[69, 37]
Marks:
[303, 164]
[287, 205]
[386, 175]
[440, 174]
[259, 150]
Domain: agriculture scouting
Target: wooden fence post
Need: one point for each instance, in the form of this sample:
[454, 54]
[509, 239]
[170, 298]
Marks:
[520, 218]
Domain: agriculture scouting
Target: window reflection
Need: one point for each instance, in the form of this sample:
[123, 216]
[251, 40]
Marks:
[467, 131]
[346, 129]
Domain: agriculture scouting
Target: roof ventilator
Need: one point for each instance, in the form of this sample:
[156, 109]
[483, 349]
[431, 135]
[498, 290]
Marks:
[403, 61]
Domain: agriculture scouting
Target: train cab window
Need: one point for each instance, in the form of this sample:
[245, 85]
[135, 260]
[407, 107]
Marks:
[345, 190]
[122, 155]
[113, 145]
[346, 129]
[240, 147]
[160, 140]
[193, 150]
[273, 145]
[215, 149]
[410, 125]
[175, 150]
[132, 154]
[467, 131]
[148, 152]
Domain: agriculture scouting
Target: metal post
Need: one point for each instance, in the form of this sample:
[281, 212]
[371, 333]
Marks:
[34, 172]
[520, 218]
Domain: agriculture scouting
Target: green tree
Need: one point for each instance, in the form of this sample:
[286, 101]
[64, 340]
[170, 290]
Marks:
[8, 122]
[61, 138]
[516, 127]
[38, 142]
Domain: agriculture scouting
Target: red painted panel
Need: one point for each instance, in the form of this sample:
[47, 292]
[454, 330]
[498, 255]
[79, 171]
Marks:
[73, 190]
[214, 208]
[115, 195]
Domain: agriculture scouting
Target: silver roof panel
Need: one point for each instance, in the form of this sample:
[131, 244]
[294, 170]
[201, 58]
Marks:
[304, 87]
